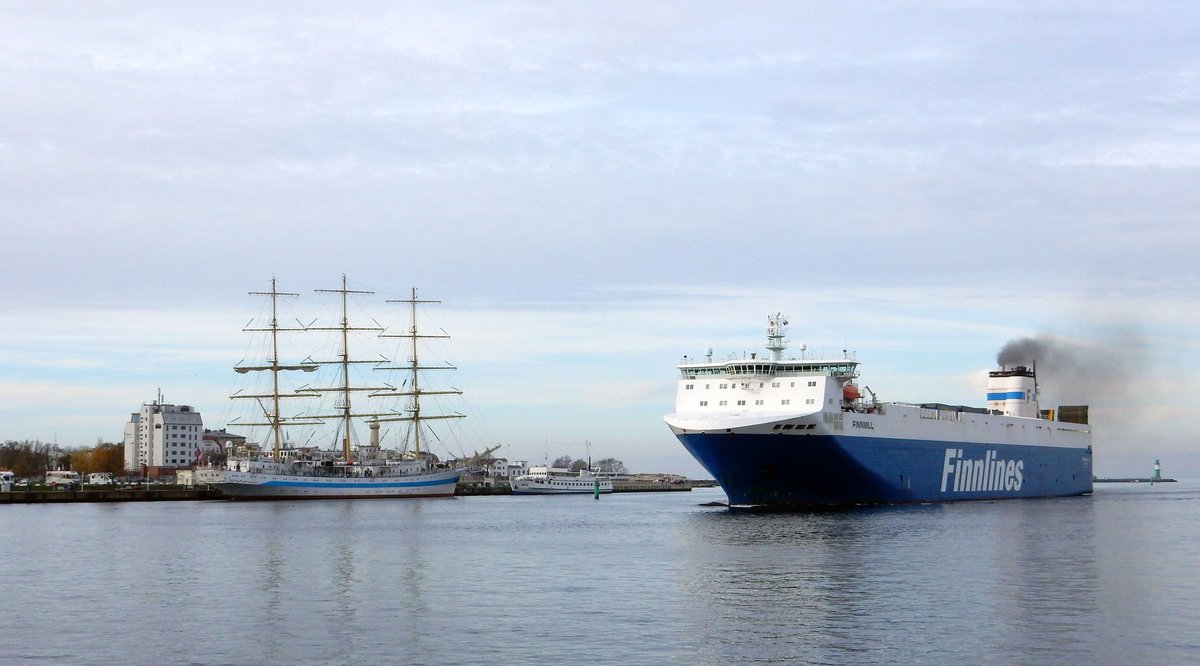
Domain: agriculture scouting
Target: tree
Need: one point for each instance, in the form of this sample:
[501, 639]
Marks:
[26, 459]
[563, 462]
[611, 466]
[578, 465]
[109, 458]
[101, 458]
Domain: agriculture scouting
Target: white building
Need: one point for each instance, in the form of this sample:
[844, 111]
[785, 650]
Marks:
[162, 435]
[501, 468]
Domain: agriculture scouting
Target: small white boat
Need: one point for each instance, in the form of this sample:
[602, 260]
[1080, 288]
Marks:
[543, 480]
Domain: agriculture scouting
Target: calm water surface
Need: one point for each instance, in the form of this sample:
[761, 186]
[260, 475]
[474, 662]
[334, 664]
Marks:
[630, 578]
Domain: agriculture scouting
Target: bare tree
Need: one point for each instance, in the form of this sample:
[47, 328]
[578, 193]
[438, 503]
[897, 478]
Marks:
[563, 462]
[25, 459]
[611, 466]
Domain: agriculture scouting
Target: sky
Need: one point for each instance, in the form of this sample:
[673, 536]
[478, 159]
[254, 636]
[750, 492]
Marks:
[594, 190]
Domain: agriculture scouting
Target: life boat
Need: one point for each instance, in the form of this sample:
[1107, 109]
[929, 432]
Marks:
[850, 391]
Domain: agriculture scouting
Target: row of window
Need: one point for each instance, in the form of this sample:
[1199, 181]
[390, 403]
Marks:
[759, 403]
[839, 369]
[725, 403]
[689, 387]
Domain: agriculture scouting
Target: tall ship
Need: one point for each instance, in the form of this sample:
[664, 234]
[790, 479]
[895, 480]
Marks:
[345, 468]
[788, 432]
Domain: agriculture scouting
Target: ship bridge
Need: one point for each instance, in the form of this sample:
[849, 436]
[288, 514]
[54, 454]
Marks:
[750, 368]
[843, 369]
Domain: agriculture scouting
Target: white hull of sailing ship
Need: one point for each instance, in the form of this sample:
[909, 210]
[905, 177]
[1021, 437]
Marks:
[552, 481]
[265, 480]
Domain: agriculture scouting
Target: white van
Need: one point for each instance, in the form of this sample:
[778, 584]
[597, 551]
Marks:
[63, 479]
[6, 480]
[100, 479]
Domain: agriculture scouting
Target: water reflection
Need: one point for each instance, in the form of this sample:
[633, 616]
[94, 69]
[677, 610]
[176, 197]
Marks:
[1048, 582]
[888, 584]
[650, 578]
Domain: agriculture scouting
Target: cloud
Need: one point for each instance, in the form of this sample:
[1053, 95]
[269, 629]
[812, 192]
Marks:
[594, 189]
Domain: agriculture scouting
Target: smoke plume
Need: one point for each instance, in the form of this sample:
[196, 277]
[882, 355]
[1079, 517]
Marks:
[1072, 371]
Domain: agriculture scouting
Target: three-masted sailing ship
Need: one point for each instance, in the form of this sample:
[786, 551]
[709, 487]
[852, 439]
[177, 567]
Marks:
[348, 471]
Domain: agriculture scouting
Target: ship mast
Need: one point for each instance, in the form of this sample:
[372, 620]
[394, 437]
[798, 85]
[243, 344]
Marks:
[342, 405]
[414, 367]
[274, 419]
[776, 332]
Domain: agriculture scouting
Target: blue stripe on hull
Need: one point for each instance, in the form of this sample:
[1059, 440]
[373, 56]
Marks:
[815, 470]
[360, 485]
[244, 486]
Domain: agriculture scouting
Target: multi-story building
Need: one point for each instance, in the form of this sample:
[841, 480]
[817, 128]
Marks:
[162, 436]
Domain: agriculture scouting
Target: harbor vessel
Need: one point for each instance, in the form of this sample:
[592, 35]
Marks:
[782, 432]
[350, 469]
[542, 480]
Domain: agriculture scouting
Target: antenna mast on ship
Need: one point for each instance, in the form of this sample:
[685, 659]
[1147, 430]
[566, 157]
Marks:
[274, 420]
[776, 331]
[414, 367]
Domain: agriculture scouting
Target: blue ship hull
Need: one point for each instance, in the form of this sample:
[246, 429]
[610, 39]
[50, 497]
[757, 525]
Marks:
[830, 470]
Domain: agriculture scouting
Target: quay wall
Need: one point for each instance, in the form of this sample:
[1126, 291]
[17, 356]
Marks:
[109, 495]
[50, 496]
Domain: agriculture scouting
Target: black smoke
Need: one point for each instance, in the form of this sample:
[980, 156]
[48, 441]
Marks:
[1042, 351]
[1074, 371]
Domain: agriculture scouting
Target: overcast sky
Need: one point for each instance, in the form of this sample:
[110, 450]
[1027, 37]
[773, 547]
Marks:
[596, 189]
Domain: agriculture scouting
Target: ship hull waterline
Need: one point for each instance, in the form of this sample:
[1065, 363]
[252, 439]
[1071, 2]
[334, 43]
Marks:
[264, 486]
[830, 470]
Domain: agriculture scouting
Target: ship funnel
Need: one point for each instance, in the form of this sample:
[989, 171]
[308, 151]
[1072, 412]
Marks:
[1013, 391]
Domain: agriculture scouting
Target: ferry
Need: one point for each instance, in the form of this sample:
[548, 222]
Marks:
[798, 432]
[543, 480]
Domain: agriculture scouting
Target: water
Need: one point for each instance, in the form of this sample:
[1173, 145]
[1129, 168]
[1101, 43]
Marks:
[630, 578]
